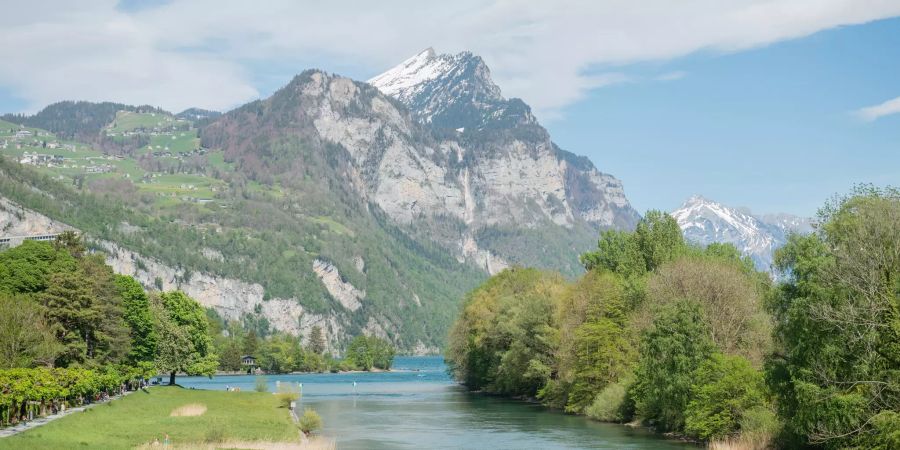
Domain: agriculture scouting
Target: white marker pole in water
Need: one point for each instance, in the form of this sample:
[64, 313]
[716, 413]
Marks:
[354, 388]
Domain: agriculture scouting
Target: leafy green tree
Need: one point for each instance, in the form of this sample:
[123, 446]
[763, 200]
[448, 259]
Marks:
[659, 238]
[277, 353]
[506, 338]
[358, 354]
[174, 350]
[138, 317]
[27, 268]
[25, 338]
[617, 251]
[732, 301]
[835, 369]
[725, 388]
[183, 340]
[601, 347]
[671, 351]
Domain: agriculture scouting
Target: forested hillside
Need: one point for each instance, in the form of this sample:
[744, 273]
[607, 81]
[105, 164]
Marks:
[282, 244]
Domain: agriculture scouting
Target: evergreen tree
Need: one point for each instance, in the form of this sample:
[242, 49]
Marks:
[250, 344]
[317, 340]
[73, 318]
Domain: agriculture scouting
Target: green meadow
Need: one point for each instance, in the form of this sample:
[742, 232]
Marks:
[141, 417]
[128, 121]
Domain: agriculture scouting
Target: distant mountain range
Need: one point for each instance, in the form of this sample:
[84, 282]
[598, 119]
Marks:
[364, 207]
[704, 221]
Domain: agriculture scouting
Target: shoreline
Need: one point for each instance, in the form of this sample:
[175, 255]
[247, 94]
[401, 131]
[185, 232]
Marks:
[670, 435]
[235, 374]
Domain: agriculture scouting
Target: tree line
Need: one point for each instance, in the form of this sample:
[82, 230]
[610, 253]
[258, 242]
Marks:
[284, 353]
[695, 341]
[63, 308]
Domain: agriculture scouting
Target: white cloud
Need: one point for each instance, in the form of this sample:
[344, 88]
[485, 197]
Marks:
[208, 53]
[880, 110]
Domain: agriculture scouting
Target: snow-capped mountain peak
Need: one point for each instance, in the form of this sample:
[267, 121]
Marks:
[704, 221]
[409, 78]
[450, 91]
[406, 76]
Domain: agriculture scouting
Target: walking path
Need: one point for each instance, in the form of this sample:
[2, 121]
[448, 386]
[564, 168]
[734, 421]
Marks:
[18, 428]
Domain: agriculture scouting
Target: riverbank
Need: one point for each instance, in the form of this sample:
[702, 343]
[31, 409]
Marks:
[417, 405]
[190, 418]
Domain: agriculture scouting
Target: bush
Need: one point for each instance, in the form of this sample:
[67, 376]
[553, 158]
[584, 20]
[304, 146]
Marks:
[215, 432]
[725, 388]
[287, 393]
[608, 405]
[310, 421]
[22, 389]
[262, 384]
[760, 424]
[553, 394]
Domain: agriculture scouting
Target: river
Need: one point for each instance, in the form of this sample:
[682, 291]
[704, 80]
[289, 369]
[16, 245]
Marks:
[417, 405]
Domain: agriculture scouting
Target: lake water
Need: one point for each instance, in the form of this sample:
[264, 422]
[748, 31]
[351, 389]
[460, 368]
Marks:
[417, 405]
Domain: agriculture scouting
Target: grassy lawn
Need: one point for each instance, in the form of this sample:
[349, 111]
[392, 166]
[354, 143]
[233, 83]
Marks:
[9, 129]
[127, 121]
[140, 417]
[182, 185]
[177, 141]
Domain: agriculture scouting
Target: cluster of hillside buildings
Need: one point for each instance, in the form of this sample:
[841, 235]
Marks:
[44, 160]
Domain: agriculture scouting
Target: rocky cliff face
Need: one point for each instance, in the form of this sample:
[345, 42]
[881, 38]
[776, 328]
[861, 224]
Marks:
[232, 299]
[509, 160]
[16, 221]
[446, 148]
[705, 221]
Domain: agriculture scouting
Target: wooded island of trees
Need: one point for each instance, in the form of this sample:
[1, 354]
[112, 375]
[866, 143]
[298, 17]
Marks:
[695, 341]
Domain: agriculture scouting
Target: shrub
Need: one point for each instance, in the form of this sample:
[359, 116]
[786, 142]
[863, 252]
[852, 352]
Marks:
[287, 393]
[608, 405]
[262, 384]
[215, 432]
[760, 424]
[553, 394]
[310, 421]
[725, 388]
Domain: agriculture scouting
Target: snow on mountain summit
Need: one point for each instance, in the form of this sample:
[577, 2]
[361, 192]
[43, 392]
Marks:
[406, 76]
[704, 221]
[450, 91]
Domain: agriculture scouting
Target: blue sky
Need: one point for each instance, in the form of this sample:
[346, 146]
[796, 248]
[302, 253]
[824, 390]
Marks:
[772, 129]
[752, 103]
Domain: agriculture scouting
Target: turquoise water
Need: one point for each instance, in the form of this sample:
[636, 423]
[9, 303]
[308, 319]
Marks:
[417, 405]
